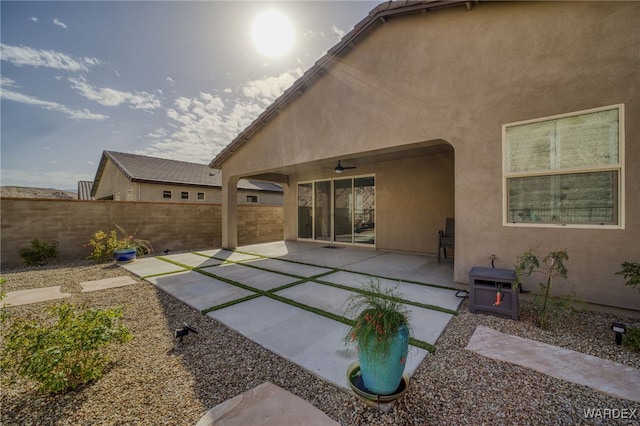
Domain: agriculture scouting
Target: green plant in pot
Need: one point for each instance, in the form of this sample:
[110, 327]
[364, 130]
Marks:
[117, 244]
[381, 333]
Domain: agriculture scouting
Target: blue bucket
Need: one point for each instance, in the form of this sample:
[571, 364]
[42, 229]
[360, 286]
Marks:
[125, 255]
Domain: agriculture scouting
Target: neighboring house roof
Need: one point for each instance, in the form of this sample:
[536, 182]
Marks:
[84, 190]
[378, 16]
[144, 169]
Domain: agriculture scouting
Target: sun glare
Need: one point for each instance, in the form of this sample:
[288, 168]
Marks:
[272, 33]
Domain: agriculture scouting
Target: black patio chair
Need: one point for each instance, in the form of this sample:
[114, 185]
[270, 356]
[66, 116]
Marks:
[446, 238]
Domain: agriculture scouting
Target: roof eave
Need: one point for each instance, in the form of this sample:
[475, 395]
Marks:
[376, 17]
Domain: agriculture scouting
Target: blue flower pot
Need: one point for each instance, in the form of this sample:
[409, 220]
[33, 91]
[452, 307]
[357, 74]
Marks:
[124, 255]
[382, 373]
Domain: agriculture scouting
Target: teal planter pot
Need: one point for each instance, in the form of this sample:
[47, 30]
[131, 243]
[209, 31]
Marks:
[382, 373]
[124, 255]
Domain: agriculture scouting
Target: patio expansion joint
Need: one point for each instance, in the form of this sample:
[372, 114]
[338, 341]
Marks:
[313, 279]
[335, 269]
[407, 302]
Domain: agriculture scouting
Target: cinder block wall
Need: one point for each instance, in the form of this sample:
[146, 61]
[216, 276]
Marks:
[166, 225]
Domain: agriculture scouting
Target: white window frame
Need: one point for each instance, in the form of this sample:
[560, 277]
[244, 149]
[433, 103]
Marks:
[182, 195]
[164, 192]
[200, 194]
[249, 199]
[618, 167]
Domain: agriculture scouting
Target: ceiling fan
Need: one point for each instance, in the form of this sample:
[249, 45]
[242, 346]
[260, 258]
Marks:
[340, 168]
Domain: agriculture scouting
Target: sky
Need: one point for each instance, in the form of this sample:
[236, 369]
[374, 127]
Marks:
[170, 79]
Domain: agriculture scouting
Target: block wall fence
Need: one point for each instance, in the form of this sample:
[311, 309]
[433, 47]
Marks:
[173, 226]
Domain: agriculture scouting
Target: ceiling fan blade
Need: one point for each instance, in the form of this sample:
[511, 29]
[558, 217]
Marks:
[339, 168]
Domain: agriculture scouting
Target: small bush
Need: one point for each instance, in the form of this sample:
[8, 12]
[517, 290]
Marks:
[631, 272]
[631, 338]
[552, 265]
[65, 355]
[104, 243]
[40, 253]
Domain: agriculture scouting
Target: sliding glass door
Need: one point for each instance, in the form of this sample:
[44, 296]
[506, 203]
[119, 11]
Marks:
[322, 210]
[341, 210]
[364, 214]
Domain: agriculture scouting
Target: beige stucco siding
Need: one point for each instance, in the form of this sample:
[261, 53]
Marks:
[113, 181]
[458, 76]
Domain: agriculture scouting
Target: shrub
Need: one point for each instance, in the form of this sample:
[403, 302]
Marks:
[65, 355]
[631, 272]
[632, 338]
[40, 253]
[552, 265]
[104, 244]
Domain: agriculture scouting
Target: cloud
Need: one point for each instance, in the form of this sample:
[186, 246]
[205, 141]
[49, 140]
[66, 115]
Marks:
[66, 179]
[21, 55]
[340, 33]
[111, 97]
[201, 126]
[268, 89]
[59, 23]
[11, 95]
[34, 19]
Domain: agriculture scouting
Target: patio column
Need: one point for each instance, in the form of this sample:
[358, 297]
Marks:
[229, 212]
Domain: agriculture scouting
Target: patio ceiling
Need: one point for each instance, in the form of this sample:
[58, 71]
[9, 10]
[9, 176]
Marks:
[325, 166]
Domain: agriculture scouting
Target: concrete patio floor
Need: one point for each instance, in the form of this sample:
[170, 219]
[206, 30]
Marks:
[285, 296]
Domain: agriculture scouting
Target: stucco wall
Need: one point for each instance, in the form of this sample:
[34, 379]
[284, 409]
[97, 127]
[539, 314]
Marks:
[420, 190]
[166, 225]
[459, 76]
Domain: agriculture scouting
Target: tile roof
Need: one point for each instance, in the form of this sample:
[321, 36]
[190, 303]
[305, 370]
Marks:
[378, 16]
[141, 168]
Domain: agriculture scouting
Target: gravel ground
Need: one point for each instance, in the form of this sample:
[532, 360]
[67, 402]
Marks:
[154, 381]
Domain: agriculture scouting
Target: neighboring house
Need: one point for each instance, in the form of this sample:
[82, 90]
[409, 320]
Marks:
[519, 119]
[130, 177]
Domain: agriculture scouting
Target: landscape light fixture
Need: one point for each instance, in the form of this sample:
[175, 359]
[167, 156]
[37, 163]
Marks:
[620, 329]
[184, 331]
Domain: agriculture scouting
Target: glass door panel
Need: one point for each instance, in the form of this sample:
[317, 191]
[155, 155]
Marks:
[322, 210]
[305, 210]
[364, 205]
[343, 210]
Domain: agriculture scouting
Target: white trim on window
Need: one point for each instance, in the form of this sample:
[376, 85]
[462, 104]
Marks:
[532, 164]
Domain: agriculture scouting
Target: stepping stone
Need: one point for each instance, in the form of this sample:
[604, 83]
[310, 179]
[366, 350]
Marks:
[600, 374]
[267, 405]
[35, 295]
[107, 283]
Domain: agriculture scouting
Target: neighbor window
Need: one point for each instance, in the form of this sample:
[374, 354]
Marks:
[566, 169]
[200, 195]
[252, 198]
[184, 195]
[166, 194]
